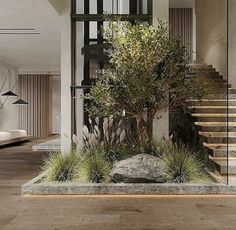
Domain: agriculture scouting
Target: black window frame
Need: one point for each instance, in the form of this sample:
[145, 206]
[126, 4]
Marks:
[86, 18]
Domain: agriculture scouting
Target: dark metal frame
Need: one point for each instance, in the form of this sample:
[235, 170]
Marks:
[99, 18]
[227, 81]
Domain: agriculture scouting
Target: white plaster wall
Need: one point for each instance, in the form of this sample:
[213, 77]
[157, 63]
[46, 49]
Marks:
[211, 34]
[56, 104]
[9, 113]
[161, 123]
[56, 5]
[161, 10]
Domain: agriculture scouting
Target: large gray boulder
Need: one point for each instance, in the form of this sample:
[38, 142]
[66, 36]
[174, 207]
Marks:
[142, 168]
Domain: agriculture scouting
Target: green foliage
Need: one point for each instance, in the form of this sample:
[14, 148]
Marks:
[125, 150]
[110, 136]
[94, 168]
[147, 73]
[156, 148]
[182, 165]
[145, 66]
[59, 167]
[182, 127]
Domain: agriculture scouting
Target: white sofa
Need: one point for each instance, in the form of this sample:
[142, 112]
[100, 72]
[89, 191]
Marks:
[12, 137]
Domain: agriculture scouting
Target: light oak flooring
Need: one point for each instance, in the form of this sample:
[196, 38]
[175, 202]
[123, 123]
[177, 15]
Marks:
[19, 164]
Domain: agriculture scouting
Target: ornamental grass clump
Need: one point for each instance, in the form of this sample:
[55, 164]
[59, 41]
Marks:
[60, 167]
[182, 165]
[108, 133]
[94, 168]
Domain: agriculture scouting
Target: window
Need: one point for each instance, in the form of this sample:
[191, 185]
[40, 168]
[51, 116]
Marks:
[89, 50]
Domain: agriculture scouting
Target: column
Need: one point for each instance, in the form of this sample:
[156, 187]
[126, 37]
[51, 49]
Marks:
[161, 121]
[65, 76]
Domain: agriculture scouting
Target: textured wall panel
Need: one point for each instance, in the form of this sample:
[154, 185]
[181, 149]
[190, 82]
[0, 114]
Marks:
[35, 118]
[181, 25]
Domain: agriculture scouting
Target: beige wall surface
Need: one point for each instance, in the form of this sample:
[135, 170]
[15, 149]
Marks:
[56, 104]
[36, 116]
[232, 43]
[9, 113]
[211, 33]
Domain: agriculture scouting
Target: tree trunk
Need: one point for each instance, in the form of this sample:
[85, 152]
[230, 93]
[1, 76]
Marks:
[142, 127]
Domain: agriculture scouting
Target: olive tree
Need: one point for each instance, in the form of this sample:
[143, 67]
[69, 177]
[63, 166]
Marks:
[147, 73]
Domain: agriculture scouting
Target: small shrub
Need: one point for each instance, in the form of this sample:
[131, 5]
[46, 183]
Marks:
[59, 167]
[182, 165]
[94, 168]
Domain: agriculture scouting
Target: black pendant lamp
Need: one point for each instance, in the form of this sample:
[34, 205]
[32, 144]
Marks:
[9, 94]
[20, 102]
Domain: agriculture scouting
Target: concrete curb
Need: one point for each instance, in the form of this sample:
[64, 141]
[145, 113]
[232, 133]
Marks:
[37, 187]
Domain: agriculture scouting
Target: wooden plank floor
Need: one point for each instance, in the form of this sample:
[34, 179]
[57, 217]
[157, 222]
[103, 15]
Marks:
[19, 164]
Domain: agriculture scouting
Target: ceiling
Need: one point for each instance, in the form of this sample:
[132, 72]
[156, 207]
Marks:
[30, 52]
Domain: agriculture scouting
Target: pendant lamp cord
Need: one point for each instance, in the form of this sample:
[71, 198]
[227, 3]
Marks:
[1, 107]
[6, 76]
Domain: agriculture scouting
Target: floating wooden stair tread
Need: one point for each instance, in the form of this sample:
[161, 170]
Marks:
[225, 166]
[217, 124]
[213, 115]
[224, 162]
[219, 145]
[213, 107]
[231, 160]
[210, 100]
[218, 134]
[215, 120]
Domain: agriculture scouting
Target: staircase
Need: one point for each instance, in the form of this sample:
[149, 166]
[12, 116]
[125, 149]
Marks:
[210, 118]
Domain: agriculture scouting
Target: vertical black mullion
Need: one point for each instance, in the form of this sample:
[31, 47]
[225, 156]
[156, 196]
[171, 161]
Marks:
[227, 82]
[99, 25]
[86, 42]
[150, 9]
[86, 80]
[73, 67]
[140, 2]
[133, 6]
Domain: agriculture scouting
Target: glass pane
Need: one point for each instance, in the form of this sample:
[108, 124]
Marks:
[204, 124]
[144, 7]
[79, 60]
[79, 6]
[214, 114]
[113, 6]
[110, 6]
[93, 30]
[92, 6]
[123, 7]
